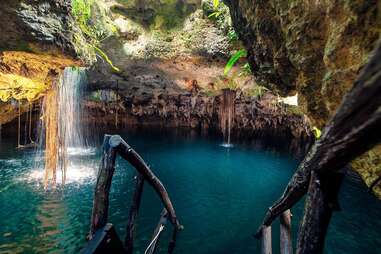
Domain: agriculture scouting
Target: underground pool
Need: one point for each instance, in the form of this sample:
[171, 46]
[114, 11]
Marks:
[220, 195]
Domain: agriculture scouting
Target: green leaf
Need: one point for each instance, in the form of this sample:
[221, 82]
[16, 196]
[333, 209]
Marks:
[233, 59]
[216, 3]
[316, 132]
[214, 14]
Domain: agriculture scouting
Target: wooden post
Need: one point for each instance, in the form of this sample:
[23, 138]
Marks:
[285, 233]
[129, 154]
[172, 242]
[112, 145]
[266, 245]
[321, 202]
[102, 189]
[131, 226]
[105, 240]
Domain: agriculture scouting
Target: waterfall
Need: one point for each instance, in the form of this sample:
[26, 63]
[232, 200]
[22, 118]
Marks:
[61, 115]
[69, 97]
[227, 110]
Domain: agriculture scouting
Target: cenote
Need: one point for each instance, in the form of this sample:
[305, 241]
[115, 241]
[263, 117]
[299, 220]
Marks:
[190, 127]
[220, 195]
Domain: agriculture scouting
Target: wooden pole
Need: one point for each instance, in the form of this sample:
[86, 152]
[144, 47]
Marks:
[111, 146]
[134, 209]
[266, 245]
[321, 202]
[172, 242]
[285, 233]
[129, 154]
[102, 189]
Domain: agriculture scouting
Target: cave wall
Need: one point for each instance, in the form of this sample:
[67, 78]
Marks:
[253, 116]
[314, 48]
[38, 40]
[46, 24]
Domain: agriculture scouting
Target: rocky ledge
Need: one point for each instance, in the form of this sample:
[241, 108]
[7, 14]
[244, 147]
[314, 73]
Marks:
[253, 116]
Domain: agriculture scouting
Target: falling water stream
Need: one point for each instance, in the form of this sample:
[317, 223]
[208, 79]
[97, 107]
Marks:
[227, 111]
[61, 116]
[70, 92]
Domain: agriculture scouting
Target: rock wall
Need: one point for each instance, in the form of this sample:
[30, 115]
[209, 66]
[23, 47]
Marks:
[38, 40]
[181, 108]
[313, 48]
[46, 24]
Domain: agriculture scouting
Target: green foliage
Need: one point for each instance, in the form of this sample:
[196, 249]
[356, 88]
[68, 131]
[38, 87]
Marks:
[92, 25]
[256, 91]
[216, 12]
[95, 96]
[233, 59]
[294, 110]
[232, 35]
[245, 70]
[105, 57]
[81, 10]
[316, 132]
[216, 3]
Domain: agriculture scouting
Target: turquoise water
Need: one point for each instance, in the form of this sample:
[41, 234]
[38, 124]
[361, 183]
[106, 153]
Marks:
[220, 196]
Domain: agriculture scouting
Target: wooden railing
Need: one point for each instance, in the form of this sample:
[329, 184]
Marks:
[103, 237]
[285, 236]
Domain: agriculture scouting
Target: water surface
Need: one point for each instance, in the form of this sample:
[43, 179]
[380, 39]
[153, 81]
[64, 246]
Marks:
[220, 196]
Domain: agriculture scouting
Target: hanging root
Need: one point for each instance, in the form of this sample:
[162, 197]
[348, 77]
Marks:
[50, 107]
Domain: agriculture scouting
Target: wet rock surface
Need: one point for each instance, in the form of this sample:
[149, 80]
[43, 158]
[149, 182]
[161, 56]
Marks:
[47, 24]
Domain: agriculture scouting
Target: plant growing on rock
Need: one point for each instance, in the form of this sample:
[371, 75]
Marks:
[94, 24]
[233, 60]
[218, 12]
